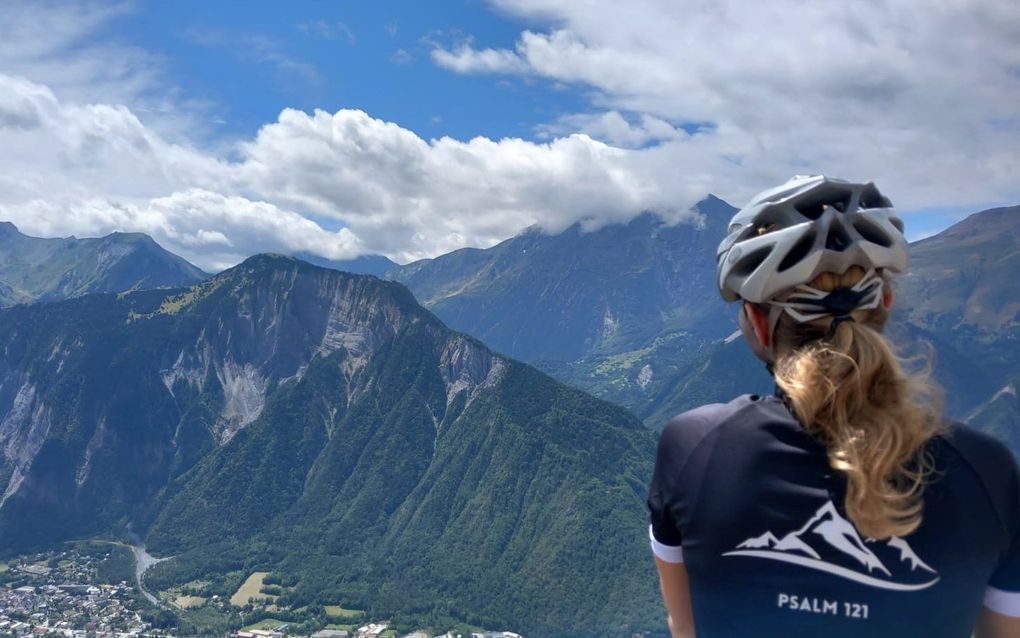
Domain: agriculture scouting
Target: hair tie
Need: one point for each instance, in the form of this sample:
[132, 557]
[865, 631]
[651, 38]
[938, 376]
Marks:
[838, 319]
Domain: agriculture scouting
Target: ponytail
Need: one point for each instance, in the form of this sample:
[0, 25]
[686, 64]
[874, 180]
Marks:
[849, 390]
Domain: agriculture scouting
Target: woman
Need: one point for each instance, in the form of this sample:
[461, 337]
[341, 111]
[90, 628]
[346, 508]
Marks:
[841, 506]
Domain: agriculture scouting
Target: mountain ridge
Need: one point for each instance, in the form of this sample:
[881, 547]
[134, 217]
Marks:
[48, 269]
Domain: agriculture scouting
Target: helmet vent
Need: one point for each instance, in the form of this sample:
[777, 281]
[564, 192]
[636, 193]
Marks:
[871, 198]
[871, 232]
[751, 261]
[798, 252]
[769, 219]
[813, 204]
[837, 239]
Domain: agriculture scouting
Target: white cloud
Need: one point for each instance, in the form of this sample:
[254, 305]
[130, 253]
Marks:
[91, 169]
[64, 151]
[920, 96]
[410, 198]
[465, 59]
[615, 129]
[209, 229]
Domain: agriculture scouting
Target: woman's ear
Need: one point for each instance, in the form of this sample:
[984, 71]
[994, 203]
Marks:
[887, 296]
[759, 320]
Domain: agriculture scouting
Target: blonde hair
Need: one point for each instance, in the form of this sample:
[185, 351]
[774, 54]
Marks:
[850, 391]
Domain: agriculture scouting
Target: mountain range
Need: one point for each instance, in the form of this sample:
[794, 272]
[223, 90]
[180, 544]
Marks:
[630, 312]
[323, 426]
[36, 269]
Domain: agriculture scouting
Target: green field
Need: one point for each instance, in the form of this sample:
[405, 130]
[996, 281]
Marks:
[251, 588]
[189, 601]
[268, 623]
[339, 612]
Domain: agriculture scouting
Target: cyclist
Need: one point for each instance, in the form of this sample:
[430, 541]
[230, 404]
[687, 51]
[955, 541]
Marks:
[842, 505]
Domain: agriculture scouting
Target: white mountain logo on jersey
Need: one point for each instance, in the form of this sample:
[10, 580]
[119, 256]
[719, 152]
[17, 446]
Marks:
[830, 543]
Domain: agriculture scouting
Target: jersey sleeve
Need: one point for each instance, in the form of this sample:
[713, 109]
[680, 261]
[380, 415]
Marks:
[677, 441]
[663, 532]
[996, 467]
[1003, 592]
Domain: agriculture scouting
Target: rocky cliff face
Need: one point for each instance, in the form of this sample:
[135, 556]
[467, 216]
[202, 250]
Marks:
[219, 349]
[22, 431]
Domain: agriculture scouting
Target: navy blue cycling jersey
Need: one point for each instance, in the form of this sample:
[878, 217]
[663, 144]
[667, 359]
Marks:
[746, 499]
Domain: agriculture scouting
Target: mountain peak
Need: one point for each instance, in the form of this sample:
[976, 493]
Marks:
[50, 269]
[283, 272]
[264, 261]
[717, 214]
[129, 237]
[711, 201]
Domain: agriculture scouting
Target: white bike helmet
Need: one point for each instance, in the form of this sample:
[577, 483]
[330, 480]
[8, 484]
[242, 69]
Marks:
[788, 235]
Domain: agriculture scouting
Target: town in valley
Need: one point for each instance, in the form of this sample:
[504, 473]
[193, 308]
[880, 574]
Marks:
[91, 590]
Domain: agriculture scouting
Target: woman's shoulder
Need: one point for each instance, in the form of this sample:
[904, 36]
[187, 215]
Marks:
[989, 460]
[977, 448]
[688, 429]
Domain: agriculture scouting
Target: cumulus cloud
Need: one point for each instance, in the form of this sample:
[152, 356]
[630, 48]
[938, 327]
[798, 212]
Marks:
[615, 128]
[68, 150]
[410, 198]
[920, 96]
[93, 168]
[90, 169]
[465, 59]
[209, 229]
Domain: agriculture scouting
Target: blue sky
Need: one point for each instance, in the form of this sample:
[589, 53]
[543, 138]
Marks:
[249, 64]
[414, 128]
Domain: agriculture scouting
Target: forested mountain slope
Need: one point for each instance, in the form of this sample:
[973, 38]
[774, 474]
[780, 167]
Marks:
[323, 426]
